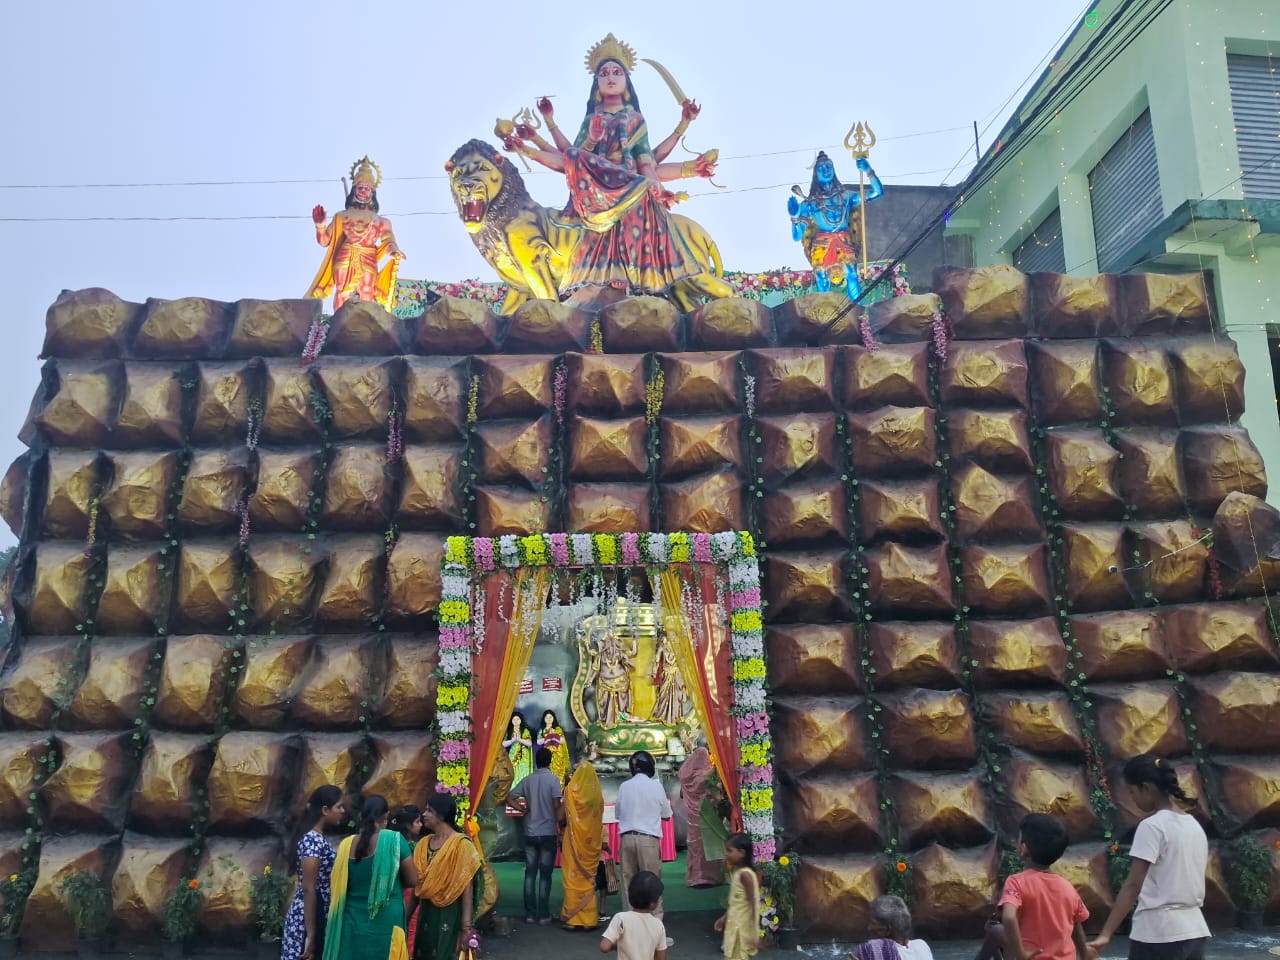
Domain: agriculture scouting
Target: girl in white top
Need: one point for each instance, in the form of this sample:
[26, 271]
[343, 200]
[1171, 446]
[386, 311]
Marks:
[1166, 877]
[636, 933]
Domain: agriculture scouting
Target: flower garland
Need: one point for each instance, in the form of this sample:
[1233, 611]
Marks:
[467, 559]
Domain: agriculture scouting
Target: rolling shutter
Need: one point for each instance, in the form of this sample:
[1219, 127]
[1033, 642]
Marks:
[1125, 190]
[1042, 251]
[1255, 101]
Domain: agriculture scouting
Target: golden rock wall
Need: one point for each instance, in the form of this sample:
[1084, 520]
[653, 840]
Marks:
[984, 558]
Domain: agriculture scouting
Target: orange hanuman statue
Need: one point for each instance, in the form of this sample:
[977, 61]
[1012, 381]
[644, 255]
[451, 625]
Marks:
[356, 240]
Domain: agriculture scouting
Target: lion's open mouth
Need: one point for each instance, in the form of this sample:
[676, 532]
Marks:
[473, 210]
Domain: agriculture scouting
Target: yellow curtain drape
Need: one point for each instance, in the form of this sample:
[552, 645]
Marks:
[669, 589]
[526, 622]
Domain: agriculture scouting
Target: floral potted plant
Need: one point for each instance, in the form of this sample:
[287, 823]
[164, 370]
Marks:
[14, 891]
[778, 882]
[269, 892]
[88, 902]
[1247, 865]
[180, 912]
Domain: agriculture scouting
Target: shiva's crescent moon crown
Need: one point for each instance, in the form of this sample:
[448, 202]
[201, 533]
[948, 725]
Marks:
[611, 48]
[366, 169]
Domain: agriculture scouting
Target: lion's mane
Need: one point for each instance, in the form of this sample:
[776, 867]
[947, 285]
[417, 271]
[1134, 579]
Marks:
[502, 209]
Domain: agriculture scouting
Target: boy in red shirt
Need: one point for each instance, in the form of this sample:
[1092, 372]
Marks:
[1041, 911]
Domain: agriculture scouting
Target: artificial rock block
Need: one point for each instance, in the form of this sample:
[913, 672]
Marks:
[906, 317]
[911, 654]
[1121, 645]
[363, 328]
[1082, 474]
[709, 503]
[286, 481]
[991, 301]
[954, 889]
[147, 874]
[357, 492]
[191, 327]
[408, 699]
[57, 602]
[1085, 867]
[903, 510]
[135, 592]
[640, 324]
[227, 914]
[110, 694]
[343, 677]
[607, 449]
[608, 508]
[1155, 303]
[251, 781]
[46, 920]
[352, 589]
[1068, 306]
[1246, 535]
[892, 373]
[405, 770]
[1140, 382]
[908, 580]
[1149, 472]
[193, 680]
[273, 670]
[797, 445]
[151, 407]
[1175, 559]
[271, 328]
[789, 380]
[89, 792]
[806, 512]
[327, 758]
[547, 326]
[996, 440]
[224, 392]
[692, 445]
[1249, 790]
[14, 490]
[87, 323]
[820, 735]
[1218, 461]
[813, 659]
[1066, 376]
[805, 586]
[929, 729]
[82, 399]
[730, 322]
[215, 483]
[513, 387]
[30, 690]
[1027, 653]
[358, 393]
[20, 756]
[893, 441]
[506, 510]
[435, 398]
[818, 318]
[699, 383]
[1094, 560]
[947, 808]
[1006, 580]
[604, 385]
[1209, 378]
[835, 812]
[283, 576]
[74, 479]
[1212, 636]
[1140, 718]
[208, 576]
[429, 498]
[834, 892]
[137, 501]
[413, 575]
[291, 400]
[992, 507]
[1037, 785]
[1040, 723]
[453, 326]
[984, 373]
[514, 451]
[170, 783]
[1238, 712]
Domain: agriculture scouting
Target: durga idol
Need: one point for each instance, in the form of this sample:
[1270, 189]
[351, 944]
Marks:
[615, 187]
[357, 239]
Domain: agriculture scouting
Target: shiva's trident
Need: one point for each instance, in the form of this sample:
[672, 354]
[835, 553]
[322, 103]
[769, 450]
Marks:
[859, 141]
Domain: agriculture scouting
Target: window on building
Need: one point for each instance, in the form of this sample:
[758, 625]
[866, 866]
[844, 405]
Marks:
[1042, 251]
[1255, 101]
[1125, 190]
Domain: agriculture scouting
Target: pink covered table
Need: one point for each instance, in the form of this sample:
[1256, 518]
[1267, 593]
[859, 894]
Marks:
[666, 846]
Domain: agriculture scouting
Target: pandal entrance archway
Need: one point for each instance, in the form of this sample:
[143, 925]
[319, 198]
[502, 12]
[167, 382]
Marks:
[667, 649]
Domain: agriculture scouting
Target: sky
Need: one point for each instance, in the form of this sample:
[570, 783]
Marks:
[133, 92]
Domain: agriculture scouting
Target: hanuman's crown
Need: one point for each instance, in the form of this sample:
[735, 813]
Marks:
[611, 48]
[366, 169]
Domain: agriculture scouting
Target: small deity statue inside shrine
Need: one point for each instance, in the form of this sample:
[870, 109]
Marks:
[824, 222]
[611, 670]
[356, 241]
[669, 706]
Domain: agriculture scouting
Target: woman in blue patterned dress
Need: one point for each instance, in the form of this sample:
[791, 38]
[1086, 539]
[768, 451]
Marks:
[313, 858]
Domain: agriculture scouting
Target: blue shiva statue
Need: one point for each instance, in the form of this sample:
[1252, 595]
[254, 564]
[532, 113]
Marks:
[824, 224]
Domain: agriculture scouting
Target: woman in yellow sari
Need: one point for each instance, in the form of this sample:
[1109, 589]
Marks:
[449, 876]
[584, 827]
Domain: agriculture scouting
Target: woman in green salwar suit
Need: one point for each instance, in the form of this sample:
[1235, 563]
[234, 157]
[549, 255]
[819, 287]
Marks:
[366, 909]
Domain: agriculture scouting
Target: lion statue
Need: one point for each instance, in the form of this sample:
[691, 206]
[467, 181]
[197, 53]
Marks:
[524, 242]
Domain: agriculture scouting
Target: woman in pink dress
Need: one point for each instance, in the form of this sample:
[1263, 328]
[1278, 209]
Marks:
[694, 774]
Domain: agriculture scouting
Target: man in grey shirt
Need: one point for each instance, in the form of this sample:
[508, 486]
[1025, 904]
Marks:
[540, 796]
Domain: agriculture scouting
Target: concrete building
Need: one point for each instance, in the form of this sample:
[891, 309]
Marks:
[1152, 143]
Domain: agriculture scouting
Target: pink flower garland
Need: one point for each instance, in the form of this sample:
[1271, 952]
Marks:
[560, 549]
[242, 508]
[558, 392]
[316, 337]
[482, 550]
[702, 548]
[395, 436]
[941, 337]
[630, 548]
[868, 337]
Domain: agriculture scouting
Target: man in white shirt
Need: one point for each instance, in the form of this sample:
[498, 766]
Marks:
[641, 807]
